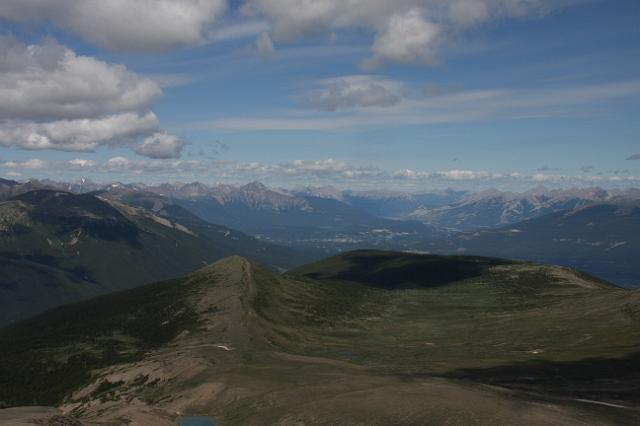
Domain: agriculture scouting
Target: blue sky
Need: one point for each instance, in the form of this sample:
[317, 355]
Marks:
[472, 94]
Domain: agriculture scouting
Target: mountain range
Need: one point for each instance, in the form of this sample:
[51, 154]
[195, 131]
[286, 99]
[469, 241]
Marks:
[304, 221]
[493, 208]
[57, 247]
[600, 238]
[538, 225]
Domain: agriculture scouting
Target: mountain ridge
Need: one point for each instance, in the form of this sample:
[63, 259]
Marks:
[493, 208]
[237, 342]
[599, 238]
[93, 244]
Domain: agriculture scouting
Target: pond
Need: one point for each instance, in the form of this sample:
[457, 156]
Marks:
[196, 421]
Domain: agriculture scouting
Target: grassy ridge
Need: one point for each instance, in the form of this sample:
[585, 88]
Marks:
[529, 327]
[517, 316]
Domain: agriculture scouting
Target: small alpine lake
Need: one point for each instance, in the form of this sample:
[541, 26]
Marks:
[196, 421]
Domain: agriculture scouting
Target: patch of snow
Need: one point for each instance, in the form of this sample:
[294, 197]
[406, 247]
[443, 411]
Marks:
[617, 244]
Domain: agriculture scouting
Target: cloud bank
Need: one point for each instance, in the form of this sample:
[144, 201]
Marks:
[53, 98]
[305, 172]
[406, 31]
[123, 25]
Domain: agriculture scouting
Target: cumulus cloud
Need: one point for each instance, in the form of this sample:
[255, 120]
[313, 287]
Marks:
[160, 145]
[85, 134]
[634, 157]
[53, 98]
[358, 91]
[123, 25]
[407, 38]
[49, 81]
[408, 31]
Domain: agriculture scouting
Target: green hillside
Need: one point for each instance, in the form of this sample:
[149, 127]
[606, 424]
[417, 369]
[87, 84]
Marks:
[497, 342]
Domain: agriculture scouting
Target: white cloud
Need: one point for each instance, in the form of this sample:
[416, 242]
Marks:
[408, 31]
[306, 169]
[305, 172]
[169, 167]
[357, 91]
[329, 167]
[49, 81]
[407, 38]
[126, 25]
[117, 163]
[465, 174]
[85, 134]
[52, 98]
[453, 175]
[81, 163]
[160, 145]
[32, 164]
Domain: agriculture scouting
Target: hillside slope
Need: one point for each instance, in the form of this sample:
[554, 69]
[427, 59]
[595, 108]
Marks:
[236, 342]
[86, 245]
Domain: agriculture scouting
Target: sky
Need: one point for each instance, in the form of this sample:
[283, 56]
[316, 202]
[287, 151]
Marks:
[369, 94]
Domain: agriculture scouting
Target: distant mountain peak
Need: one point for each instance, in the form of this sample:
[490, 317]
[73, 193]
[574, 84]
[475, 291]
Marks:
[255, 186]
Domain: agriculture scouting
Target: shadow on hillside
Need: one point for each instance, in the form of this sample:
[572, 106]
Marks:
[38, 263]
[615, 379]
[403, 271]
